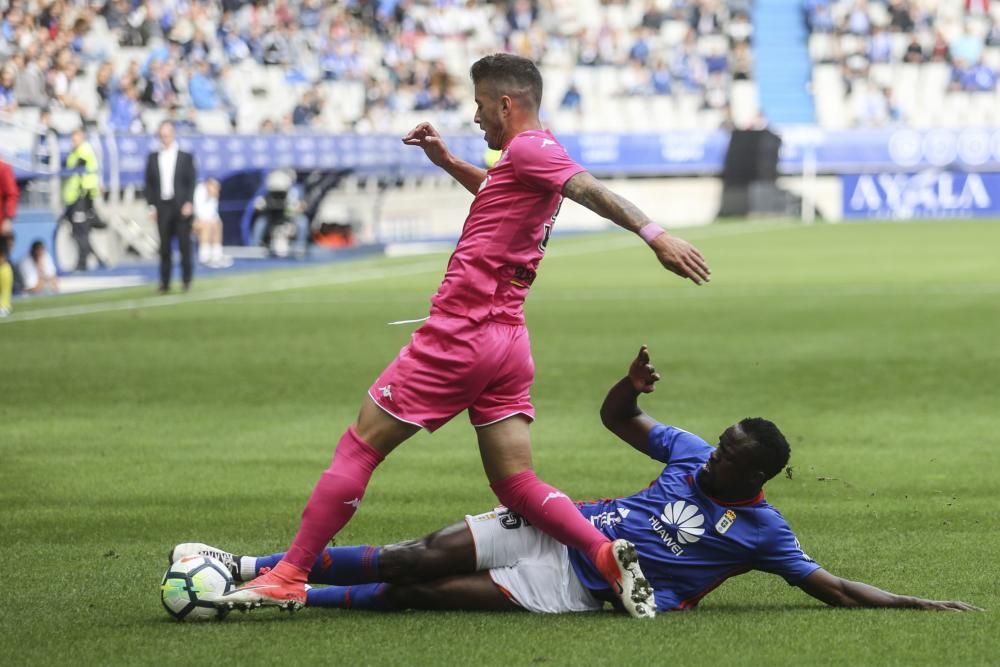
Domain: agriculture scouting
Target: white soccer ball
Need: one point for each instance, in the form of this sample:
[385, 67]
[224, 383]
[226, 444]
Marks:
[191, 584]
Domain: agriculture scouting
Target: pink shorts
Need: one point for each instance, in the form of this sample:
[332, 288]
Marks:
[452, 364]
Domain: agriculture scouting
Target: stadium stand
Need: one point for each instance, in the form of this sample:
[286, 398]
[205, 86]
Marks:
[370, 66]
[919, 63]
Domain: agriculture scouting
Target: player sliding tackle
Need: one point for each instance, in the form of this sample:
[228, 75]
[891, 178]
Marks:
[702, 521]
[473, 353]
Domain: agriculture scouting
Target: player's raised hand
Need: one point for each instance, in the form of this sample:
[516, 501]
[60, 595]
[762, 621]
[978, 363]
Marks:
[641, 373]
[425, 136]
[681, 257]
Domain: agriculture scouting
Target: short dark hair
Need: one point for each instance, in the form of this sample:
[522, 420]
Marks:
[512, 75]
[37, 245]
[771, 449]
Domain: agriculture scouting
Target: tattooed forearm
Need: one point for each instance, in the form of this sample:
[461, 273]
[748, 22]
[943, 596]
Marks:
[587, 191]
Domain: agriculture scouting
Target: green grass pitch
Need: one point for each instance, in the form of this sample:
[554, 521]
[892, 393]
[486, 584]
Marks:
[130, 422]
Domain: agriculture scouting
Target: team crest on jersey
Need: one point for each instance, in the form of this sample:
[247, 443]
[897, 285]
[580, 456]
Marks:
[726, 522]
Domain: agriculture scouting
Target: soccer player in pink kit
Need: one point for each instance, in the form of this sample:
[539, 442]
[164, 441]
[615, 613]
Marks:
[473, 352]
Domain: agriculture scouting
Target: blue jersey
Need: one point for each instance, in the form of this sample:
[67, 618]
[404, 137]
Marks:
[688, 542]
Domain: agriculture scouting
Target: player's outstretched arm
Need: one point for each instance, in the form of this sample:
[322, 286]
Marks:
[620, 411]
[838, 592]
[425, 136]
[675, 254]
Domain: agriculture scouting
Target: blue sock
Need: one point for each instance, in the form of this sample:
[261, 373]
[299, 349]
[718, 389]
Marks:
[365, 596]
[337, 565]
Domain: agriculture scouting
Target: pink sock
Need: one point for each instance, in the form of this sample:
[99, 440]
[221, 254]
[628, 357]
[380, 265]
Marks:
[335, 499]
[550, 510]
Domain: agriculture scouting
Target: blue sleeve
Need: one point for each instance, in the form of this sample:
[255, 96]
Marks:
[670, 444]
[779, 552]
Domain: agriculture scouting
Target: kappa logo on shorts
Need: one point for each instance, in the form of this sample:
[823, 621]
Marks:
[386, 391]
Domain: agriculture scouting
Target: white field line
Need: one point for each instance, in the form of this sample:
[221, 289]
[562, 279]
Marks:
[280, 285]
[300, 282]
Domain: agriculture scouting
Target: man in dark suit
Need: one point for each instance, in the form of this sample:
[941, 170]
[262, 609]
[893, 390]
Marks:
[170, 181]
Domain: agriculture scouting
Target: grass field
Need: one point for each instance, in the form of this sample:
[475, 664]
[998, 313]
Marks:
[131, 422]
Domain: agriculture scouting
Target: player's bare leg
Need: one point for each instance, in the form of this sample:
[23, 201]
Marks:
[444, 553]
[506, 451]
[465, 592]
[333, 502]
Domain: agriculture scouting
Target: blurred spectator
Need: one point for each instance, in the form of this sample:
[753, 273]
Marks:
[977, 7]
[160, 90]
[966, 47]
[980, 78]
[652, 17]
[879, 46]
[821, 20]
[901, 16]
[105, 82]
[940, 52]
[182, 119]
[858, 22]
[202, 88]
[641, 48]
[8, 96]
[660, 78]
[81, 188]
[739, 29]
[38, 271]
[124, 111]
[571, 99]
[914, 52]
[308, 109]
[871, 107]
[9, 195]
[208, 225]
[30, 87]
[44, 143]
[636, 79]
[742, 66]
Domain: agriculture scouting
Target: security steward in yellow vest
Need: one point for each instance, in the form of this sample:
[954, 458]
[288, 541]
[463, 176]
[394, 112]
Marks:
[80, 188]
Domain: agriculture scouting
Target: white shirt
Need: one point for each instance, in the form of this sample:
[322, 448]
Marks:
[167, 160]
[31, 273]
[205, 207]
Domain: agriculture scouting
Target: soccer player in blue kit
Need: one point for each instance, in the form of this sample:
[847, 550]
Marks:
[702, 521]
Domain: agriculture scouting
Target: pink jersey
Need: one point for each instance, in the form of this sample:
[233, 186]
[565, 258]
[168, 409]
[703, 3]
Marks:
[506, 231]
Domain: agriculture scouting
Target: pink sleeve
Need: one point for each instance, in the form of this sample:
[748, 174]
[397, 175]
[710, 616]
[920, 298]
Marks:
[541, 163]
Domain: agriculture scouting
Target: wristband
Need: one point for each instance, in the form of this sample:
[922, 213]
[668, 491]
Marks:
[650, 231]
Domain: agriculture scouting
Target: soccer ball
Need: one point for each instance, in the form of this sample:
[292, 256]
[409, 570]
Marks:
[190, 585]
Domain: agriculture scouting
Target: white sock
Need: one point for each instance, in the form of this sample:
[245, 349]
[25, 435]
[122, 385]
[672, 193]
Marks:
[203, 252]
[217, 251]
[248, 568]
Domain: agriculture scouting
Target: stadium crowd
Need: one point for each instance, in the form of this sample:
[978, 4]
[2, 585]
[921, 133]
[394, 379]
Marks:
[949, 46]
[113, 62]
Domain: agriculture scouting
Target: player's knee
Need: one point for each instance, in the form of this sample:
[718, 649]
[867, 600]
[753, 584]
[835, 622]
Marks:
[403, 561]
